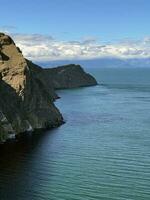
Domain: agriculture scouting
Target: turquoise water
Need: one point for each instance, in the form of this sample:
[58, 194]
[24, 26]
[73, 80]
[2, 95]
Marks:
[101, 153]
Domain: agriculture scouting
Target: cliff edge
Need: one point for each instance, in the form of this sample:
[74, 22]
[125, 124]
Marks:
[27, 91]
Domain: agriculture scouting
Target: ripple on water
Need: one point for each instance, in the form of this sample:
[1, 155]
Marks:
[101, 153]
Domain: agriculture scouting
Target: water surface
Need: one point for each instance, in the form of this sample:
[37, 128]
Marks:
[101, 153]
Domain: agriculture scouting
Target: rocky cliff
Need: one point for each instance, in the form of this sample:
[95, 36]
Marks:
[27, 91]
[63, 77]
[69, 76]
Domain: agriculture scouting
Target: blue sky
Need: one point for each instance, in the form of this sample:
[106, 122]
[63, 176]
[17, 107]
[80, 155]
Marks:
[106, 21]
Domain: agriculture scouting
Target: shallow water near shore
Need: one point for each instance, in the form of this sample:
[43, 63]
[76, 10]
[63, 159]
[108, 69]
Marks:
[101, 152]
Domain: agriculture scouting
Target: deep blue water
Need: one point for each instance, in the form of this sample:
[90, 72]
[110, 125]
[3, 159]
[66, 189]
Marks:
[101, 153]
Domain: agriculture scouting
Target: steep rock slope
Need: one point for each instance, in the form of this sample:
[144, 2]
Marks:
[63, 77]
[25, 102]
[69, 76]
[27, 91]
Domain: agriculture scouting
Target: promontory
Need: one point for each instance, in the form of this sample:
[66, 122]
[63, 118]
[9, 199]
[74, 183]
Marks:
[27, 91]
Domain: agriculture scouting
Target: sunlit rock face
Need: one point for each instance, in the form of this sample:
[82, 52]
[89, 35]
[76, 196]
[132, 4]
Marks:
[24, 100]
[27, 91]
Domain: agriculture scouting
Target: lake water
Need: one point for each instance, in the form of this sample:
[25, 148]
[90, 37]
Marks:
[101, 153]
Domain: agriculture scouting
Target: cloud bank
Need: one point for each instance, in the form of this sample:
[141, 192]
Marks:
[39, 47]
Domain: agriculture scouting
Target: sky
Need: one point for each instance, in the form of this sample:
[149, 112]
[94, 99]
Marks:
[62, 29]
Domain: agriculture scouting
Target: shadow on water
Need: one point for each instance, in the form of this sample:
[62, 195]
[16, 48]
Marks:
[20, 163]
[13, 152]
[102, 152]
[23, 144]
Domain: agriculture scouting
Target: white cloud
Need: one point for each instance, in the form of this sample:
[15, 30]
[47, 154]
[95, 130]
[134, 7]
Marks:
[44, 48]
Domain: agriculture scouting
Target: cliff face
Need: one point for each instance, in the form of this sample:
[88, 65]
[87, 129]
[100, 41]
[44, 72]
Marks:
[63, 77]
[25, 103]
[27, 91]
[69, 76]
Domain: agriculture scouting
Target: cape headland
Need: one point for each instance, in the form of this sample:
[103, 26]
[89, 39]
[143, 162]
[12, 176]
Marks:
[27, 91]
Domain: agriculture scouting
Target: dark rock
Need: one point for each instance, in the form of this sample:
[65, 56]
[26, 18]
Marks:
[24, 100]
[63, 77]
[27, 91]
[3, 57]
[5, 39]
[69, 76]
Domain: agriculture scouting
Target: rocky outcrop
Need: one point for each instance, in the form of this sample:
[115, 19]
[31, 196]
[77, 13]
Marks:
[63, 77]
[69, 76]
[25, 102]
[27, 91]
